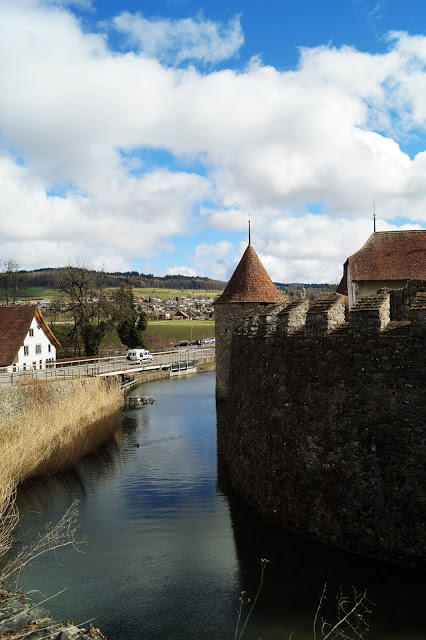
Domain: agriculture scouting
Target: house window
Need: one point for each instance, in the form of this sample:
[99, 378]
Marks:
[38, 348]
[26, 350]
[31, 333]
[48, 347]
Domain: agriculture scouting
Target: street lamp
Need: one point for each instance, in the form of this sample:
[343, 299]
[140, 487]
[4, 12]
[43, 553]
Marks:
[191, 333]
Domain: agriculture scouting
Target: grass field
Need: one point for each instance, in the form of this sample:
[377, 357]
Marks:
[175, 330]
[46, 293]
[166, 294]
[39, 293]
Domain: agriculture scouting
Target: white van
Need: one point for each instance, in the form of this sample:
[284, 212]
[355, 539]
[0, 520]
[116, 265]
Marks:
[139, 356]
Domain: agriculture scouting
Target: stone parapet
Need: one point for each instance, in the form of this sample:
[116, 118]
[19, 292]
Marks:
[292, 317]
[402, 299]
[417, 314]
[325, 315]
[370, 315]
[268, 319]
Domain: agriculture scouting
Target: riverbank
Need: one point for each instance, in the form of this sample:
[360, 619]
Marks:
[48, 427]
[20, 617]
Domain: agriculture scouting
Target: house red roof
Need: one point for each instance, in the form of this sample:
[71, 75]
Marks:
[250, 282]
[390, 255]
[15, 322]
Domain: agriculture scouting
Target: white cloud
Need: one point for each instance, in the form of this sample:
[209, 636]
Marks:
[216, 259]
[182, 271]
[81, 4]
[272, 143]
[176, 41]
[128, 218]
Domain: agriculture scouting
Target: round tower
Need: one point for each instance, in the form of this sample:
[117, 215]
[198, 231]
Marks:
[249, 287]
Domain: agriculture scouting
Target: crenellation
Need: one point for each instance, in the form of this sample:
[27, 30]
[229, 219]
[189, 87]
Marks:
[370, 315]
[402, 299]
[268, 320]
[293, 317]
[417, 314]
[325, 315]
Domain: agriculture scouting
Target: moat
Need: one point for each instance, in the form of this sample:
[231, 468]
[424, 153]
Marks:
[169, 548]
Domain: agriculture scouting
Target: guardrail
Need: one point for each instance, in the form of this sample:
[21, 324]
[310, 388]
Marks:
[114, 365]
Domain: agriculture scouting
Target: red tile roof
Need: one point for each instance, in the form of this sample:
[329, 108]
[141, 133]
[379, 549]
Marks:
[15, 322]
[390, 255]
[250, 282]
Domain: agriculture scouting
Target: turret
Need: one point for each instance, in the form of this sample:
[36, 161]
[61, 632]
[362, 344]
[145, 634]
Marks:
[249, 287]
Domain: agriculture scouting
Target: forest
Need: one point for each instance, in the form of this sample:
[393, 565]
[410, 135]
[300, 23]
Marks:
[48, 277]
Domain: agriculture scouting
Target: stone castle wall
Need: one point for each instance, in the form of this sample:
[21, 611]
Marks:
[324, 426]
[227, 317]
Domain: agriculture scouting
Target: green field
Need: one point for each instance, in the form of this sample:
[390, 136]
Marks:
[39, 293]
[46, 293]
[174, 330]
[166, 294]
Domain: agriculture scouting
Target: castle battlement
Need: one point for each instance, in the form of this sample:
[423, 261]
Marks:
[326, 315]
[323, 427]
[293, 317]
[370, 316]
[325, 419]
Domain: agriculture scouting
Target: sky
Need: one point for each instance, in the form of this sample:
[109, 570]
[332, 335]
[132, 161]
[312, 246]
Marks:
[143, 135]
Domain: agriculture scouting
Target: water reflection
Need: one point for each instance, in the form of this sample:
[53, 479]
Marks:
[298, 569]
[170, 547]
[42, 494]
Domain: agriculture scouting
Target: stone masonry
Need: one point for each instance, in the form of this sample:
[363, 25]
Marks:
[324, 425]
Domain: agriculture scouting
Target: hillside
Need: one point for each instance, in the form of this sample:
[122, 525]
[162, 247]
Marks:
[42, 284]
[47, 278]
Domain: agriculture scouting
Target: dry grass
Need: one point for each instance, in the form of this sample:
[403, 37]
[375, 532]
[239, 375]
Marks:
[57, 428]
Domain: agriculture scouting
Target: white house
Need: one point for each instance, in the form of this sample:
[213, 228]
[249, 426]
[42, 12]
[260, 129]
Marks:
[26, 341]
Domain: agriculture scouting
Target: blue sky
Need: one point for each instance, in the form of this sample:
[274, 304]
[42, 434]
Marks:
[143, 135]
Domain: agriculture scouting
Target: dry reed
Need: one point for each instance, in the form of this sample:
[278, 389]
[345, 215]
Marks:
[57, 427]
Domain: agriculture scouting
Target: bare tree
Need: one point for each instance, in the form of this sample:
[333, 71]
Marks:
[85, 305]
[12, 280]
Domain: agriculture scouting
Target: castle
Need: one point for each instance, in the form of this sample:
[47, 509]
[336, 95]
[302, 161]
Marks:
[323, 424]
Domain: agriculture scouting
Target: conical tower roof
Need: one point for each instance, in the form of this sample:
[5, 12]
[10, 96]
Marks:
[250, 282]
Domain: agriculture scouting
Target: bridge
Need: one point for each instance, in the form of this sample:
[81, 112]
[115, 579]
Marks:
[174, 361]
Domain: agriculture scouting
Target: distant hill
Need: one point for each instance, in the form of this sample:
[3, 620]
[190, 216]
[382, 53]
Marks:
[48, 278]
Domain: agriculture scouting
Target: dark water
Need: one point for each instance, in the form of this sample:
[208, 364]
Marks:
[169, 551]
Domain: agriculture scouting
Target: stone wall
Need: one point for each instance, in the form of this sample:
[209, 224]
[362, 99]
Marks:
[227, 317]
[16, 398]
[324, 429]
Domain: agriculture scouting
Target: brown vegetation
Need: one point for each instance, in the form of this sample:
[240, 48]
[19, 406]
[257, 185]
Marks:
[55, 429]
